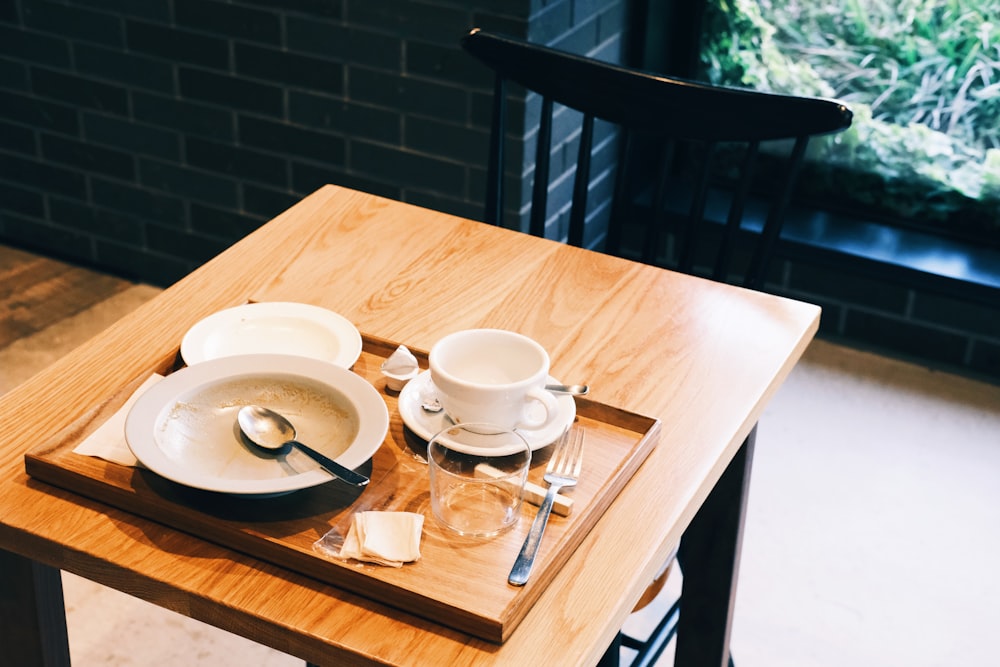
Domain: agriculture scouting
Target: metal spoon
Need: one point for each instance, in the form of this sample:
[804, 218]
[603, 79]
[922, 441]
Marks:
[269, 430]
[574, 389]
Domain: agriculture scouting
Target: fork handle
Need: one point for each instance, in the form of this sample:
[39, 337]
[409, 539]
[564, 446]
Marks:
[526, 558]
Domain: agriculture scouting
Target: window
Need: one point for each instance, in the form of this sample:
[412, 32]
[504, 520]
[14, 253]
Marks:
[922, 78]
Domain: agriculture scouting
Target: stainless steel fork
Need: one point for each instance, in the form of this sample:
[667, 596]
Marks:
[563, 470]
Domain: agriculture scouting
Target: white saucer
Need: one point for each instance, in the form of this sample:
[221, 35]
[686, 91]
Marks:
[273, 327]
[426, 424]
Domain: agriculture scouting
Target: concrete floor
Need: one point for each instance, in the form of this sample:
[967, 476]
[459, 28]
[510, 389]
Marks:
[873, 526]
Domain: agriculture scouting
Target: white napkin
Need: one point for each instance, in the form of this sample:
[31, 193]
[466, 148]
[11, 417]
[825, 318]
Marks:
[385, 538]
[108, 441]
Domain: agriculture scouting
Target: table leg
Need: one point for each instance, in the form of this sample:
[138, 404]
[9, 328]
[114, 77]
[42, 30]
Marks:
[32, 613]
[611, 657]
[709, 558]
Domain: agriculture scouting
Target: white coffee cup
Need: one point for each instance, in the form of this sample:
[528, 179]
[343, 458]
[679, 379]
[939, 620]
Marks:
[492, 376]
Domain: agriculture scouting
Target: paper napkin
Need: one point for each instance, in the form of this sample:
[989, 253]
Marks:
[386, 538]
[108, 441]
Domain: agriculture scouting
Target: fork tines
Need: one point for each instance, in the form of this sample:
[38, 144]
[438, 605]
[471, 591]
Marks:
[567, 459]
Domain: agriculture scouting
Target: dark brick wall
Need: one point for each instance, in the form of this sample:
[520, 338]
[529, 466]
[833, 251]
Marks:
[146, 137]
[922, 318]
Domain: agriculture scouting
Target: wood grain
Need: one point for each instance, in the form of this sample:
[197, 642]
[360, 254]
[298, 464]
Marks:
[36, 292]
[700, 357]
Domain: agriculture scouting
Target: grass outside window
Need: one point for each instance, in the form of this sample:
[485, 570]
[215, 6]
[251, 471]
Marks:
[922, 78]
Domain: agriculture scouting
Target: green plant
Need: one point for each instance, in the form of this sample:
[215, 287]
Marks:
[922, 77]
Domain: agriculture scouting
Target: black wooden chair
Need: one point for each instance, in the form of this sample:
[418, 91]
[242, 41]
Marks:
[682, 149]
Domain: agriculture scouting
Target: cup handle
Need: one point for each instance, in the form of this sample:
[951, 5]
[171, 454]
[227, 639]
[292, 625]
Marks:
[548, 401]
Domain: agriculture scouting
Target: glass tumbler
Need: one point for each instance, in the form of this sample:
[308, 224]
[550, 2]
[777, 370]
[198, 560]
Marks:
[477, 477]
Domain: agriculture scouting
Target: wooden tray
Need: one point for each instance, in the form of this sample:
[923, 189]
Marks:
[458, 582]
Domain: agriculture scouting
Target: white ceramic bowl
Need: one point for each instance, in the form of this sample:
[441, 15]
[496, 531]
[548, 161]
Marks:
[184, 427]
[273, 327]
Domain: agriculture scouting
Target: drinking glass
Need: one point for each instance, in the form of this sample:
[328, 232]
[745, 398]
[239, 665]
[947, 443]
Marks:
[477, 477]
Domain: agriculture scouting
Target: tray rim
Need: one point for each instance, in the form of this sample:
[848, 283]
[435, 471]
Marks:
[96, 485]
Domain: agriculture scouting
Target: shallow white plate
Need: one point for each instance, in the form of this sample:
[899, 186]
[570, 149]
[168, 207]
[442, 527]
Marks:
[184, 427]
[427, 424]
[273, 327]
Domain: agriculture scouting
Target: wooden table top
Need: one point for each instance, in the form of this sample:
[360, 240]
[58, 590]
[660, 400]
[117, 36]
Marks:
[702, 357]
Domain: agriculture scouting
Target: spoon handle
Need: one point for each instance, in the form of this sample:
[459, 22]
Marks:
[574, 389]
[331, 466]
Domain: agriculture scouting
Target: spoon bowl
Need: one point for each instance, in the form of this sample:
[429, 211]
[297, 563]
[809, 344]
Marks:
[270, 430]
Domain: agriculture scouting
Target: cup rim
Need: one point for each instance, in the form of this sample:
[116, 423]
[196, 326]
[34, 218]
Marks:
[537, 378]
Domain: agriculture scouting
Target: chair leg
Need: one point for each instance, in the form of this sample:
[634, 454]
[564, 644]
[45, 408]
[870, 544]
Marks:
[649, 650]
[709, 560]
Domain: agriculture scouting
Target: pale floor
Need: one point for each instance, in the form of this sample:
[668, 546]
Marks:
[873, 525]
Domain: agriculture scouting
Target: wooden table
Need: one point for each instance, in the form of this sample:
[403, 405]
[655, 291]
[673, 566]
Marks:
[703, 358]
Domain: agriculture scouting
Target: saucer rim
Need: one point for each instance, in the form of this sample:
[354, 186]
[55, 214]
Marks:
[409, 408]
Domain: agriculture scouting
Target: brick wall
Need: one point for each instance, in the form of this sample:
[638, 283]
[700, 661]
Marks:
[145, 137]
[919, 317]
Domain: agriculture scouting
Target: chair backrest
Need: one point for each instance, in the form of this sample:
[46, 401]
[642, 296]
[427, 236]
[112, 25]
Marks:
[670, 115]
